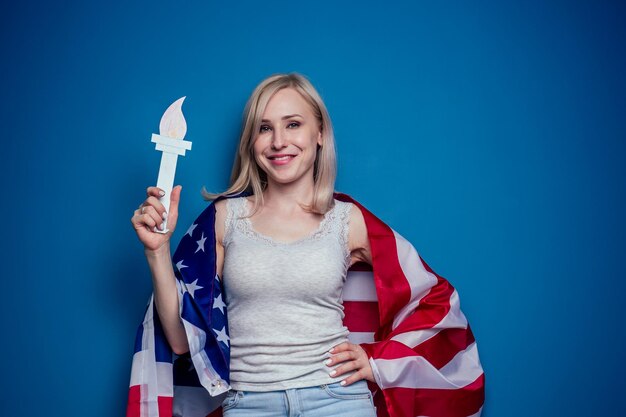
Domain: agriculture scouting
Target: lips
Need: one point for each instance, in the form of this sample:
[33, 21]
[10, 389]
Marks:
[281, 159]
[280, 156]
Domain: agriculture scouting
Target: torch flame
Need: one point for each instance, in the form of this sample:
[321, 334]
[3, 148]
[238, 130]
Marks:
[173, 124]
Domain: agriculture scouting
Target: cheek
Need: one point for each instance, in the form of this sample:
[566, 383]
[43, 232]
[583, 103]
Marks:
[257, 156]
[260, 161]
[257, 148]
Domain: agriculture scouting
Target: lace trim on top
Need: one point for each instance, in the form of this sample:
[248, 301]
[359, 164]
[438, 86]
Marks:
[237, 217]
[230, 219]
[344, 220]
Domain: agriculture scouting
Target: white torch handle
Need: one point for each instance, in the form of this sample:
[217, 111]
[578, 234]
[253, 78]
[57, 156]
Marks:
[165, 182]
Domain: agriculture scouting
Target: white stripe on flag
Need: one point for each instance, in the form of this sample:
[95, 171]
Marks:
[419, 279]
[208, 376]
[148, 369]
[359, 286]
[454, 319]
[136, 376]
[361, 337]
[163, 373]
[462, 370]
[464, 365]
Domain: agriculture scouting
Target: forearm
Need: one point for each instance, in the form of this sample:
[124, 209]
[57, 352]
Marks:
[166, 297]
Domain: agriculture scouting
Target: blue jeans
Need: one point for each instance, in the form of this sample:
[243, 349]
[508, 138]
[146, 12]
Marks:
[320, 401]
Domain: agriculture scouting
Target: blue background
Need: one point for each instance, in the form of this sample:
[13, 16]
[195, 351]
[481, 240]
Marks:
[494, 131]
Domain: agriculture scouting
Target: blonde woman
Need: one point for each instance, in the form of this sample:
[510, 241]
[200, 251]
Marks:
[281, 245]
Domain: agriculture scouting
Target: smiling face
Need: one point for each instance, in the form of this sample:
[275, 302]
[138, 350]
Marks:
[286, 144]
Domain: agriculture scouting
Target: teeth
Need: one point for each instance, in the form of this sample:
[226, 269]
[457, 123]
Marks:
[281, 158]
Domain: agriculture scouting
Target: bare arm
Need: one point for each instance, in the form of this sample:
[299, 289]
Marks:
[349, 356]
[358, 241]
[158, 255]
[220, 222]
[166, 297]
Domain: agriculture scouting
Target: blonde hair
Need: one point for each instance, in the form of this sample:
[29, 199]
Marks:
[247, 176]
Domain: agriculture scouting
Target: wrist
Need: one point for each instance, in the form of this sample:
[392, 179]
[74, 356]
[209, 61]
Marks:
[161, 252]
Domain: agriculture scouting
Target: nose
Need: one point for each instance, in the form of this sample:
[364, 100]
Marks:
[278, 140]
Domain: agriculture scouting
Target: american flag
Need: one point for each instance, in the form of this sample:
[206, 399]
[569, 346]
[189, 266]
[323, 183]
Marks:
[406, 317]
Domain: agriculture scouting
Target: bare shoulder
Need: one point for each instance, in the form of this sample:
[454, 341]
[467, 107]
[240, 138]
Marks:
[356, 217]
[357, 236]
[220, 220]
[221, 212]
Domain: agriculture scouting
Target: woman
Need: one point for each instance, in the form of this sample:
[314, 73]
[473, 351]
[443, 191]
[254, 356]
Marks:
[282, 244]
[287, 157]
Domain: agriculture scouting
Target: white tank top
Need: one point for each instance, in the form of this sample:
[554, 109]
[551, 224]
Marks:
[284, 300]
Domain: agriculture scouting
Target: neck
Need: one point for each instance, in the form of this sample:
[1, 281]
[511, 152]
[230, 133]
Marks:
[289, 196]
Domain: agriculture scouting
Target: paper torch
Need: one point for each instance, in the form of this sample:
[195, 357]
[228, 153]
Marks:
[172, 130]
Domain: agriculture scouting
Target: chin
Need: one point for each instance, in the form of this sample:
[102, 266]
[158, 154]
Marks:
[287, 179]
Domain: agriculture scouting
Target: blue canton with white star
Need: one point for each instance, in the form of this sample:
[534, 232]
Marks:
[203, 303]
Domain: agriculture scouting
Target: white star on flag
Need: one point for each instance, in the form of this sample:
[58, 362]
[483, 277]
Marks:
[222, 336]
[191, 288]
[180, 265]
[219, 303]
[191, 229]
[201, 243]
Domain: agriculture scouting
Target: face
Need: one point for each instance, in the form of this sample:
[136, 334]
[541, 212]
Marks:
[286, 144]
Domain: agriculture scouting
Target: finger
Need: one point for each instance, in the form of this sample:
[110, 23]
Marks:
[136, 219]
[147, 221]
[155, 192]
[341, 347]
[340, 357]
[344, 368]
[146, 216]
[154, 214]
[156, 203]
[355, 377]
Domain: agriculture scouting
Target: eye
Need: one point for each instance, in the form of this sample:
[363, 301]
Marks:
[264, 128]
[293, 125]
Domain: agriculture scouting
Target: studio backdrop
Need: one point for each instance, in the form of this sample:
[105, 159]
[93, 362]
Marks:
[490, 134]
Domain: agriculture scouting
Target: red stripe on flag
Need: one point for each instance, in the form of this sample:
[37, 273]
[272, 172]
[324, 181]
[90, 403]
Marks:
[361, 316]
[133, 408]
[429, 269]
[380, 404]
[216, 413]
[431, 309]
[394, 291]
[445, 345]
[460, 402]
[165, 406]
[438, 350]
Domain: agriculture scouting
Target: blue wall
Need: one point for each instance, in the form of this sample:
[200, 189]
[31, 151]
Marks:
[495, 131]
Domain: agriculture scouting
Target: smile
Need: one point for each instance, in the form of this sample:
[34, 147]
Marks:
[281, 159]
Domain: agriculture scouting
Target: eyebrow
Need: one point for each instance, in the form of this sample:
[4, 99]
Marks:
[289, 116]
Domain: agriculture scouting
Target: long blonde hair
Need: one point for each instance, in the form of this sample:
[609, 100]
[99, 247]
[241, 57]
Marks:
[247, 176]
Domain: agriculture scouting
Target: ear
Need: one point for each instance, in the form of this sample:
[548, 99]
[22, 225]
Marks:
[319, 138]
